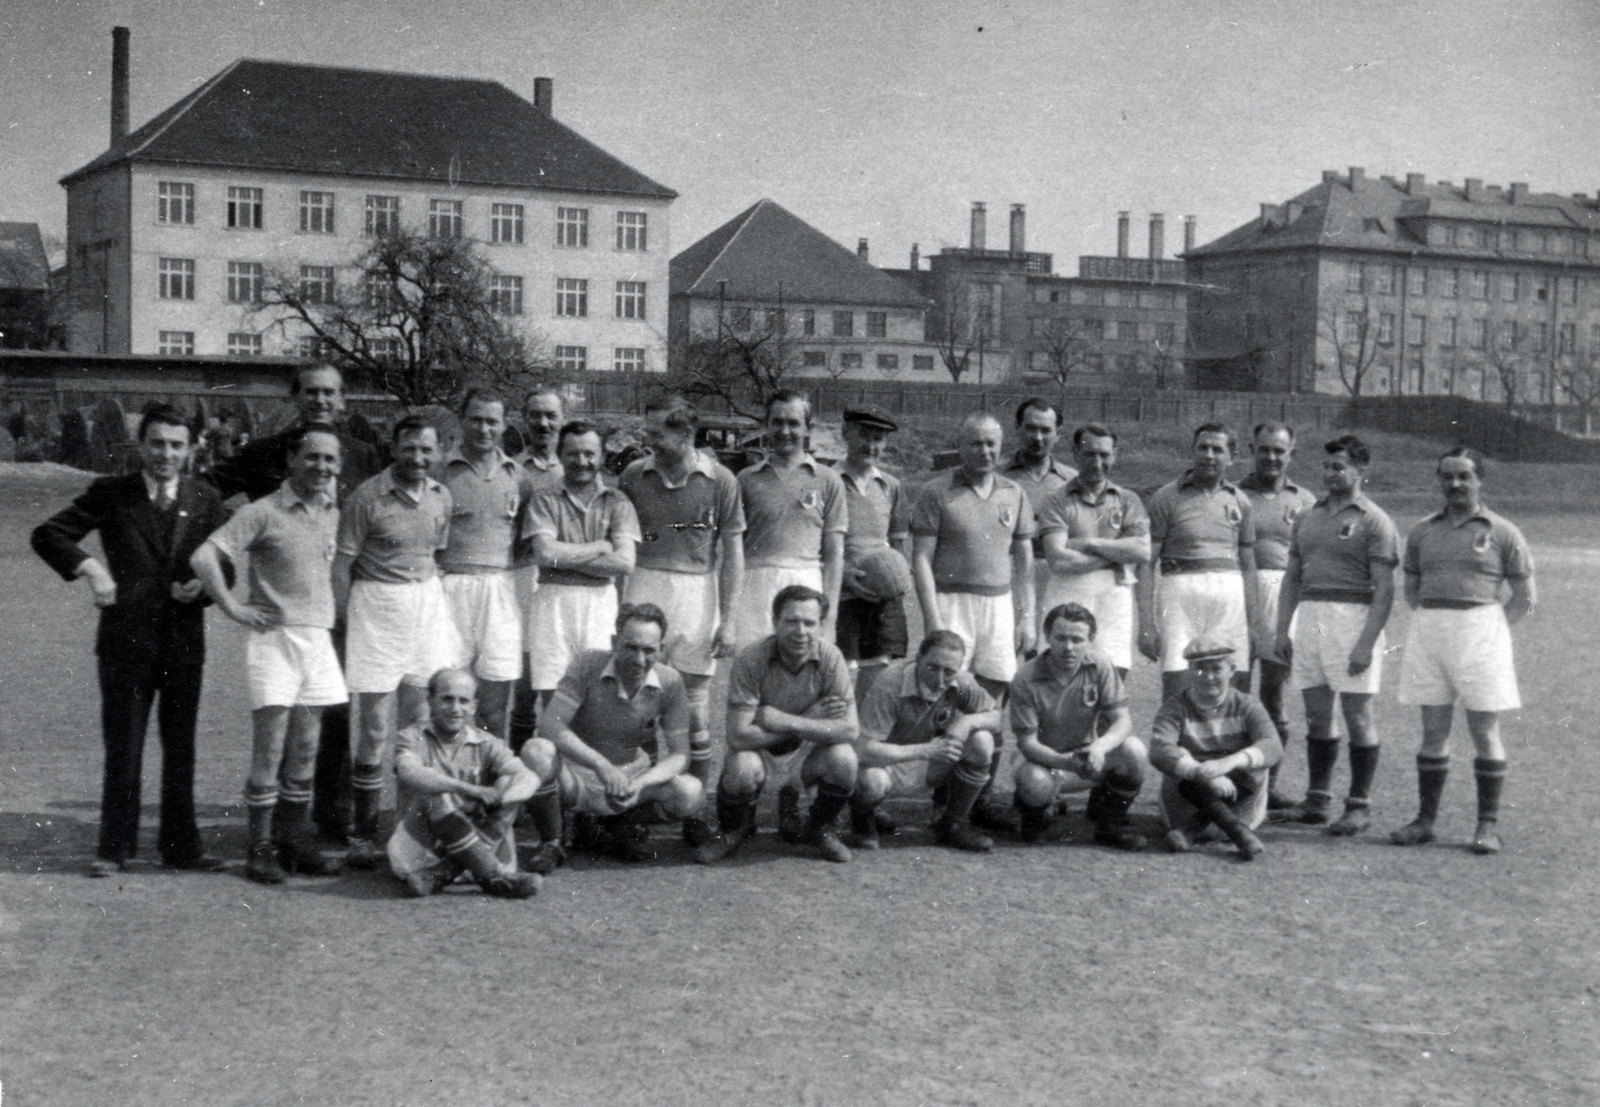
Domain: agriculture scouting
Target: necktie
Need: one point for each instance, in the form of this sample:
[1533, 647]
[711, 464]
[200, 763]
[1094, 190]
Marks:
[163, 501]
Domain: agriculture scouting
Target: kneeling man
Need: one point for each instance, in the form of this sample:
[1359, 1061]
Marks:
[460, 791]
[608, 708]
[924, 723]
[789, 702]
[1215, 744]
[1069, 711]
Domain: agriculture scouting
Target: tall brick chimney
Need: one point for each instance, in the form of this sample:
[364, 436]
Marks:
[980, 231]
[1519, 192]
[1158, 236]
[1415, 182]
[1473, 186]
[916, 257]
[1122, 234]
[861, 249]
[1357, 174]
[544, 93]
[119, 84]
[1188, 233]
[1019, 229]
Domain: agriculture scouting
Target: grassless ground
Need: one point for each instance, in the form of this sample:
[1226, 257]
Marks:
[1344, 973]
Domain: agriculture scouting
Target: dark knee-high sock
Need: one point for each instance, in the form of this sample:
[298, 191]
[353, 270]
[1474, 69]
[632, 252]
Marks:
[966, 784]
[700, 756]
[1432, 772]
[831, 799]
[1491, 776]
[1322, 754]
[1363, 769]
[544, 808]
[737, 812]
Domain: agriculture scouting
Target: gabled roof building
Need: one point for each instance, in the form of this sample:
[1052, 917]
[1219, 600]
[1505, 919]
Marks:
[1396, 286]
[273, 164]
[24, 288]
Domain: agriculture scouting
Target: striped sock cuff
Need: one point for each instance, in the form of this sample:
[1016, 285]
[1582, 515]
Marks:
[1484, 766]
[365, 778]
[294, 791]
[260, 797]
[1430, 763]
[1357, 801]
[548, 788]
[972, 774]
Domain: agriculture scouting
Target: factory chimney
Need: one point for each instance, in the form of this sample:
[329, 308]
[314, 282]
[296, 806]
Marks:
[1158, 236]
[1019, 230]
[980, 234]
[544, 93]
[1188, 233]
[119, 84]
[1122, 234]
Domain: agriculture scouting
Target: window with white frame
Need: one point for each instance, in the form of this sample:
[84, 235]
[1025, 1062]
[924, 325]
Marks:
[877, 324]
[1448, 282]
[505, 224]
[316, 212]
[1480, 334]
[1541, 337]
[244, 282]
[572, 296]
[384, 349]
[850, 359]
[244, 344]
[889, 362]
[1511, 286]
[1416, 281]
[380, 292]
[1508, 334]
[630, 299]
[309, 347]
[177, 278]
[1480, 284]
[1447, 331]
[631, 229]
[1352, 277]
[808, 321]
[814, 359]
[844, 324]
[244, 208]
[1567, 338]
[383, 214]
[505, 295]
[444, 218]
[1384, 279]
[627, 359]
[1128, 330]
[922, 363]
[1568, 290]
[316, 284]
[1385, 328]
[180, 343]
[572, 226]
[174, 202]
[1417, 330]
[572, 358]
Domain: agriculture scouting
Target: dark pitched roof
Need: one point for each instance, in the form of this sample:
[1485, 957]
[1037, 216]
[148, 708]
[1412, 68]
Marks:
[767, 253]
[1383, 214]
[361, 123]
[23, 266]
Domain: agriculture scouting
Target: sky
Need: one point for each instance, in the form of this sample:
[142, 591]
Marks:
[885, 120]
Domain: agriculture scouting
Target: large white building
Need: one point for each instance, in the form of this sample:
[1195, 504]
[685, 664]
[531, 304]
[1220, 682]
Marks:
[272, 167]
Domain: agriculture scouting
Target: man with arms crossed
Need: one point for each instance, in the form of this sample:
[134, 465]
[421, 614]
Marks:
[400, 628]
[1095, 536]
[1202, 576]
[972, 562]
[488, 491]
[1069, 711]
[1458, 647]
[460, 791]
[1037, 470]
[1275, 503]
[789, 701]
[690, 563]
[925, 723]
[151, 642]
[542, 416]
[795, 521]
[610, 706]
[290, 664]
[1337, 593]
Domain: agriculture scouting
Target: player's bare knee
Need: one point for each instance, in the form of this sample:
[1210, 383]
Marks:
[539, 755]
[1129, 760]
[838, 765]
[680, 795]
[872, 785]
[979, 749]
[743, 775]
[1035, 787]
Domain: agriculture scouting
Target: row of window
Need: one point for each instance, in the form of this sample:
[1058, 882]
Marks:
[1451, 284]
[743, 318]
[854, 359]
[1100, 296]
[246, 280]
[1125, 330]
[1507, 238]
[175, 204]
[1448, 332]
[624, 359]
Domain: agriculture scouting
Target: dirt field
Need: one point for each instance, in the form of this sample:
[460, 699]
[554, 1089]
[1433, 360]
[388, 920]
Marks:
[1341, 973]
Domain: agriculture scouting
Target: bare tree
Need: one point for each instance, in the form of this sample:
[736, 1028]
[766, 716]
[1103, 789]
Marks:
[1578, 375]
[954, 329]
[743, 361]
[424, 319]
[1351, 327]
[1503, 359]
[1067, 345]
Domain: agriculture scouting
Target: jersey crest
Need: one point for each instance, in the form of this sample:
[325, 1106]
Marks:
[1006, 517]
[1480, 544]
[809, 500]
[1232, 514]
[1348, 529]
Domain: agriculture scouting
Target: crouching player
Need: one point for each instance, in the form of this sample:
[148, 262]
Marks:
[789, 701]
[926, 722]
[1069, 711]
[460, 791]
[1214, 744]
[608, 707]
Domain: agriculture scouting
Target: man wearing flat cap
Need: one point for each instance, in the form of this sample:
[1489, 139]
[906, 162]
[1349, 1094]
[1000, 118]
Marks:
[871, 627]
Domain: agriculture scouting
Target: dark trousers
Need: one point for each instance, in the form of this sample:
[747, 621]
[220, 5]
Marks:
[128, 690]
[330, 790]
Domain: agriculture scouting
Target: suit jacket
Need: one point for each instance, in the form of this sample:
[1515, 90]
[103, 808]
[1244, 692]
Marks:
[145, 558]
[263, 464]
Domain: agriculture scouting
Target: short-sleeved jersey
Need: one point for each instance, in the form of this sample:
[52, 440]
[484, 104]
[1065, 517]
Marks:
[972, 551]
[486, 504]
[1274, 513]
[1341, 553]
[896, 711]
[477, 758]
[1238, 722]
[786, 515]
[680, 525]
[878, 509]
[1463, 564]
[290, 544]
[759, 677]
[611, 722]
[542, 473]
[1056, 475]
[1067, 711]
[557, 513]
[391, 534]
[1116, 512]
[1197, 530]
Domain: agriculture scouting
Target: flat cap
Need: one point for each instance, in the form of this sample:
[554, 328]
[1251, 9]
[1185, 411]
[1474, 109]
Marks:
[1208, 646]
[870, 417]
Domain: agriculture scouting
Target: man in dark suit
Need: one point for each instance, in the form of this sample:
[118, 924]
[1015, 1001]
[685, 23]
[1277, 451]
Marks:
[151, 641]
[259, 470]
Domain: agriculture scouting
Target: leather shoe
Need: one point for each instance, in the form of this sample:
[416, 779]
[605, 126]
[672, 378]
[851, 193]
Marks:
[202, 863]
[100, 868]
